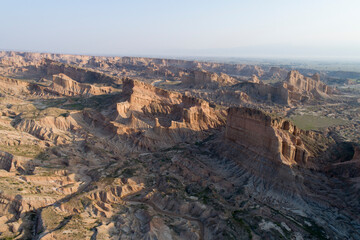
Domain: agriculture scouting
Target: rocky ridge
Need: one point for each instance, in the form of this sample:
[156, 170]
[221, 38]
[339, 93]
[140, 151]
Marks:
[273, 138]
[204, 79]
[64, 85]
[148, 163]
[302, 88]
[156, 117]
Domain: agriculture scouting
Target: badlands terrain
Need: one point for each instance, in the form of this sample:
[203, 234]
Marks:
[141, 148]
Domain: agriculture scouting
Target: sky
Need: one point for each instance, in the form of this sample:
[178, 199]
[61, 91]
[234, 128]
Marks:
[227, 28]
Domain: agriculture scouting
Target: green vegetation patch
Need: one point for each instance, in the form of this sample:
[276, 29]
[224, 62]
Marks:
[76, 103]
[52, 219]
[22, 150]
[31, 112]
[95, 102]
[309, 122]
[169, 83]
[55, 102]
[53, 112]
[28, 109]
[74, 106]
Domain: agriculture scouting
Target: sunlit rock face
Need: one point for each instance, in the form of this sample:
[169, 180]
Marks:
[64, 85]
[274, 138]
[85, 154]
[163, 118]
[204, 79]
[302, 88]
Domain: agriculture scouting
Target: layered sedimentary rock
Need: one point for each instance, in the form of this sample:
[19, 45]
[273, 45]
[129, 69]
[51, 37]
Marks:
[78, 74]
[154, 117]
[264, 92]
[302, 88]
[145, 68]
[6, 161]
[64, 85]
[18, 87]
[273, 138]
[48, 128]
[13, 86]
[203, 79]
[95, 170]
[296, 88]
[171, 108]
[12, 164]
[275, 73]
[61, 85]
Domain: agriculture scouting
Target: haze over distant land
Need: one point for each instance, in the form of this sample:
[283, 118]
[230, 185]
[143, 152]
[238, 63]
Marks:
[262, 29]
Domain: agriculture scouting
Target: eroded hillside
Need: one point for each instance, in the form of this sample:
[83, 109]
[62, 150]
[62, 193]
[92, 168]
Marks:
[137, 148]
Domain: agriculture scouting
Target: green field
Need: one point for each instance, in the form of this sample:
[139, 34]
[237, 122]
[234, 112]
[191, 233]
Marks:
[310, 122]
[22, 150]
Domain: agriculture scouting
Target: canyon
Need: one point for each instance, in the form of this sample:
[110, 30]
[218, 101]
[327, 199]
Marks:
[146, 148]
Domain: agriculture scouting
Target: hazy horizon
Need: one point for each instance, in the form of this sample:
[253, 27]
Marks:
[246, 29]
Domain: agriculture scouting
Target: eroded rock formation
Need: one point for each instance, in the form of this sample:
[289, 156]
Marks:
[13, 86]
[81, 75]
[64, 85]
[273, 138]
[149, 163]
[163, 117]
[302, 88]
[203, 79]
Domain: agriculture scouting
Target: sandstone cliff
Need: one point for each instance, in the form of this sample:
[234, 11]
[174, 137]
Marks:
[81, 75]
[152, 117]
[13, 86]
[273, 138]
[302, 88]
[64, 85]
[49, 128]
[262, 92]
[172, 109]
[203, 79]
[22, 88]
[6, 161]
[146, 68]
